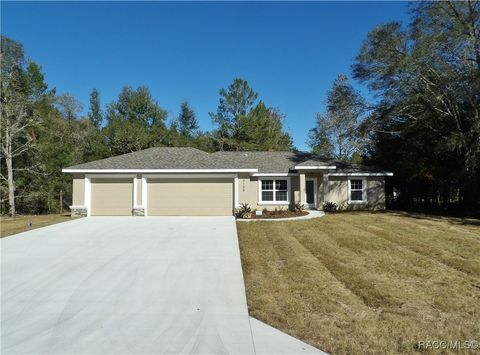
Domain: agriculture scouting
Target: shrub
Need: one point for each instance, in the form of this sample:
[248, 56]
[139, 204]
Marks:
[244, 210]
[297, 207]
[330, 207]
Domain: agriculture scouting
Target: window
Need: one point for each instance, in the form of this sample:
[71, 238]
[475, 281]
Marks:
[281, 190]
[356, 190]
[267, 190]
[275, 191]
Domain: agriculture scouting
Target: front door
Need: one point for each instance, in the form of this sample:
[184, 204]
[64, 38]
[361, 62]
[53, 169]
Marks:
[310, 192]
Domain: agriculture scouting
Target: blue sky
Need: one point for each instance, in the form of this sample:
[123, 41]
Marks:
[289, 52]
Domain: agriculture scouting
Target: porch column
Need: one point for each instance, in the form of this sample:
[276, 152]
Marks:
[325, 187]
[302, 188]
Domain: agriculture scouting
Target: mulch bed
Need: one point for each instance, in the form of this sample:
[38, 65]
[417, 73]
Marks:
[279, 214]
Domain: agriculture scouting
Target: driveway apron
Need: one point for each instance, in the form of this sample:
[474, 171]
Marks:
[125, 285]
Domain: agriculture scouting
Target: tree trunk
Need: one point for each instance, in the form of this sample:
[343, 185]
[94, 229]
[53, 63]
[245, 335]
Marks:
[61, 201]
[470, 198]
[9, 163]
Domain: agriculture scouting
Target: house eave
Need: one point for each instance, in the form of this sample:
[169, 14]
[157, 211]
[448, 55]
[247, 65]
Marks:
[361, 174]
[315, 167]
[274, 174]
[153, 171]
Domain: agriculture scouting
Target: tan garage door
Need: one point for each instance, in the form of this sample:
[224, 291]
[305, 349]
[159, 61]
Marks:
[112, 197]
[190, 197]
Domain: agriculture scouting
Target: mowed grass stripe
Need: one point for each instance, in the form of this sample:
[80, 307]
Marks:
[448, 233]
[262, 261]
[454, 259]
[353, 290]
[329, 301]
[466, 227]
[373, 267]
[338, 256]
[462, 252]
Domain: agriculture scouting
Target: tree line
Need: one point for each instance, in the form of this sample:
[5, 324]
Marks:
[423, 123]
[43, 131]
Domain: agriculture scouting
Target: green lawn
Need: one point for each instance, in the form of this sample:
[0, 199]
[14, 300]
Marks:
[365, 282]
[9, 226]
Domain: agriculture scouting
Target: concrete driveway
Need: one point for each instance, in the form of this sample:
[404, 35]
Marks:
[126, 285]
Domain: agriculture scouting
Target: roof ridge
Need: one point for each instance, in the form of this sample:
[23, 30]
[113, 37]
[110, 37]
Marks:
[253, 151]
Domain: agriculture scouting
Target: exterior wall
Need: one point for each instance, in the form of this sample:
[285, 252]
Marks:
[78, 190]
[337, 191]
[248, 192]
[320, 192]
[376, 193]
[295, 189]
[333, 190]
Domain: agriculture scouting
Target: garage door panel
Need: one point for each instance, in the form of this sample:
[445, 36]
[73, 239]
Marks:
[111, 197]
[195, 197]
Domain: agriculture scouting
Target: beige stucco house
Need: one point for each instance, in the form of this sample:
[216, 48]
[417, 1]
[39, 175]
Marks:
[187, 181]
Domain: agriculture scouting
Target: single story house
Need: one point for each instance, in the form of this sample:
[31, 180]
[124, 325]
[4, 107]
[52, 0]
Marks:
[187, 181]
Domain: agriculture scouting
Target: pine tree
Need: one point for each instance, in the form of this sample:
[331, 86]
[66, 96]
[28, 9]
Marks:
[95, 113]
[187, 121]
[235, 102]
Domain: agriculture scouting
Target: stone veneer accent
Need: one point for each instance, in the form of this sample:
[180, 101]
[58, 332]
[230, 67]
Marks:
[78, 211]
[138, 211]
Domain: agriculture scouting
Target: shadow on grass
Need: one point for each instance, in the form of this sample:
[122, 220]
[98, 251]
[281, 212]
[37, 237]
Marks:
[437, 218]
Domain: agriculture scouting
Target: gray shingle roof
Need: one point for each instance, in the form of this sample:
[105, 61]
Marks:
[152, 158]
[191, 158]
[342, 167]
[317, 162]
[265, 162]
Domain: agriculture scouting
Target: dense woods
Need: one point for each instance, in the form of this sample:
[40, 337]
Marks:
[427, 79]
[43, 131]
[424, 123]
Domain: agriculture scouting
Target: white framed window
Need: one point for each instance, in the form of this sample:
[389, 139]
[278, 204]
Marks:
[357, 190]
[274, 191]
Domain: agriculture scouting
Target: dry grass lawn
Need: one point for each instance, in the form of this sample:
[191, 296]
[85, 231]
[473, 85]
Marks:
[365, 283]
[9, 226]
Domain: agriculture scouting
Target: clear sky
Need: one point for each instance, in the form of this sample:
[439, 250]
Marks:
[289, 52]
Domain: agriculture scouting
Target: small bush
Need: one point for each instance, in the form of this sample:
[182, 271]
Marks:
[297, 207]
[330, 207]
[244, 211]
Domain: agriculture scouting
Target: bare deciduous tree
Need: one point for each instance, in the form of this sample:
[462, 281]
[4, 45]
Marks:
[21, 85]
[16, 123]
